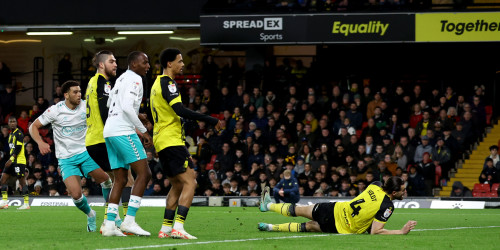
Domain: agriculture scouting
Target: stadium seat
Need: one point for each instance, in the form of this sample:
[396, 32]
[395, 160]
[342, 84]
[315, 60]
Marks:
[364, 125]
[218, 116]
[494, 187]
[481, 188]
[358, 133]
[210, 166]
[438, 175]
[491, 194]
[489, 113]
[212, 160]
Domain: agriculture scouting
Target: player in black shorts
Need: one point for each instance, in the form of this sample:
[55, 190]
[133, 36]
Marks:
[168, 139]
[15, 166]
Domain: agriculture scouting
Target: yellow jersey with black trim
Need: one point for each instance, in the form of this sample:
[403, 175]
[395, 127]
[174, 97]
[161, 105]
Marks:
[167, 131]
[356, 216]
[97, 95]
[16, 146]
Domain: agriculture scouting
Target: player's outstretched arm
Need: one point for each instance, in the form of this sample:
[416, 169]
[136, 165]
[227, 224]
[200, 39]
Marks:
[378, 228]
[181, 111]
[35, 134]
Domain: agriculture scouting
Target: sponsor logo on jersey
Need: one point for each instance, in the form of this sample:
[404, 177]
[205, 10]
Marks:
[172, 88]
[107, 88]
[387, 213]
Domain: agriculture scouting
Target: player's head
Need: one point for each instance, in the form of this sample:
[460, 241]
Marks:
[138, 62]
[394, 187]
[12, 122]
[105, 63]
[171, 59]
[72, 92]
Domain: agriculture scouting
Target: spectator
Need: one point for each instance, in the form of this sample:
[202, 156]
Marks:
[227, 190]
[370, 109]
[391, 165]
[354, 116]
[226, 157]
[490, 174]
[416, 183]
[428, 170]
[494, 156]
[379, 154]
[422, 148]
[399, 157]
[424, 124]
[441, 156]
[381, 171]
[23, 121]
[380, 118]
[459, 190]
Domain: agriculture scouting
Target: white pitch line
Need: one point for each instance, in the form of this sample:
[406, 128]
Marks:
[277, 238]
[223, 241]
[452, 228]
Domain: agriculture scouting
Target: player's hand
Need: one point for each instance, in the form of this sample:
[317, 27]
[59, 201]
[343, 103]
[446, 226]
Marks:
[148, 142]
[145, 121]
[143, 117]
[8, 163]
[44, 148]
[410, 225]
[282, 193]
[218, 126]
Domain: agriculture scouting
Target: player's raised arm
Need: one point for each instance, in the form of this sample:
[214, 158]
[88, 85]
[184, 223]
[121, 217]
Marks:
[378, 228]
[35, 134]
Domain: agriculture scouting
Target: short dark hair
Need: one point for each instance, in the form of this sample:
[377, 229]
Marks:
[168, 55]
[133, 56]
[494, 147]
[12, 117]
[100, 56]
[67, 85]
[394, 183]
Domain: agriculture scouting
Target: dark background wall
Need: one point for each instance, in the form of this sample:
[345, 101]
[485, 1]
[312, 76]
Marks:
[98, 12]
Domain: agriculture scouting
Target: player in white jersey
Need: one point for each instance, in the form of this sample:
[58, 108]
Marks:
[121, 134]
[68, 119]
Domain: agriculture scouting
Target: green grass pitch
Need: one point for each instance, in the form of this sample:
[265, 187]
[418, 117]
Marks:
[236, 228]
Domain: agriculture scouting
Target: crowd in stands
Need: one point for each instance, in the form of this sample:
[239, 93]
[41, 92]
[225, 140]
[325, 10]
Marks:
[335, 139]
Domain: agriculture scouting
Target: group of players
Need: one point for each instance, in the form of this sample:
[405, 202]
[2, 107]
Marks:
[101, 137]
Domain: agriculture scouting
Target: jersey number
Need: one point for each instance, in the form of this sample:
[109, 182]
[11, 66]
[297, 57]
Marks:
[355, 210]
[88, 107]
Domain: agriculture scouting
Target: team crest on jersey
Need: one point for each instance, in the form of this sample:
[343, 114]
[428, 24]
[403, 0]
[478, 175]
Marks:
[107, 88]
[172, 88]
[387, 213]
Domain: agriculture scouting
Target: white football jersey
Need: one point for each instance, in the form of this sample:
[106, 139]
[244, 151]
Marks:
[124, 103]
[69, 126]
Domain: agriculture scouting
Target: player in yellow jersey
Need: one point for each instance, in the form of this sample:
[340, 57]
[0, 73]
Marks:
[97, 95]
[168, 139]
[15, 166]
[368, 212]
